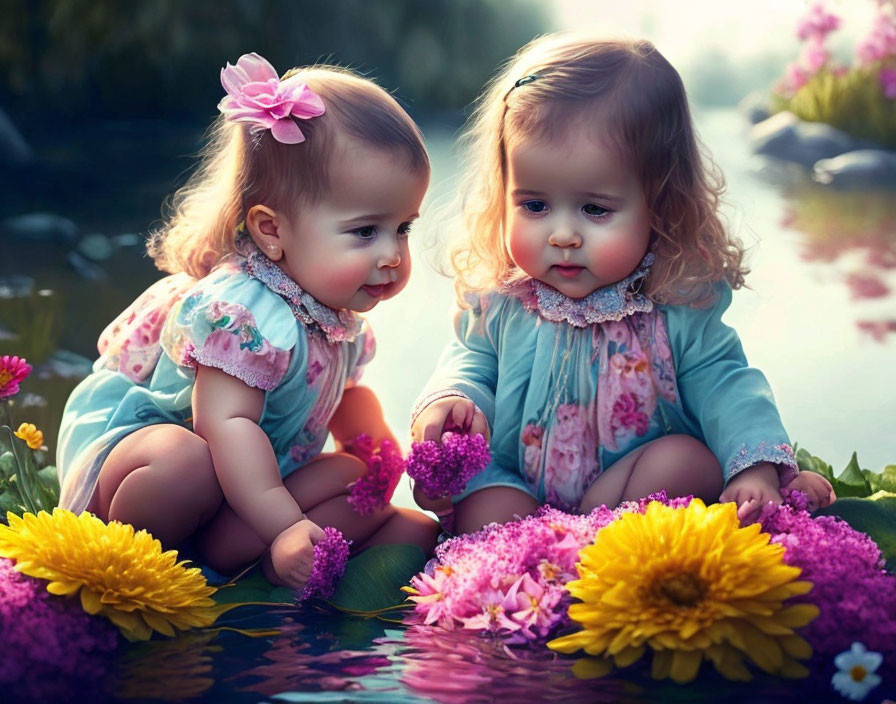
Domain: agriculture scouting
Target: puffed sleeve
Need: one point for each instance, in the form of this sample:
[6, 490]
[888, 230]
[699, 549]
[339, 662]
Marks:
[236, 324]
[469, 364]
[730, 401]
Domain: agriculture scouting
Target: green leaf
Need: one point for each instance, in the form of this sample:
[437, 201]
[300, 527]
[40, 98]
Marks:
[809, 463]
[885, 481]
[373, 580]
[851, 481]
[876, 517]
[253, 587]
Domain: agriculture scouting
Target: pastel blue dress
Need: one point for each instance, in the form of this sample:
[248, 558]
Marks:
[246, 318]
[570, 386]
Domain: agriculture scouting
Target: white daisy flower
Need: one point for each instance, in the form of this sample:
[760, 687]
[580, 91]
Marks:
[856, 677]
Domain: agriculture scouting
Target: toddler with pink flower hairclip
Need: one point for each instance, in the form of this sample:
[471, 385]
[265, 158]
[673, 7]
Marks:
[214, 393]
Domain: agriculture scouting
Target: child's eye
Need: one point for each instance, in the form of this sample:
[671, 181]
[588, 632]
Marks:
[365, 233]
[535, 206]
[404, 228]
[595, 211]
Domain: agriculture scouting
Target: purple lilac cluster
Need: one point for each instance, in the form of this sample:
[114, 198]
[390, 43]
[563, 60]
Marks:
[330, 558]
[385, 465]
[443, 469]
[509, 578]
[853, 591]
[46, 641]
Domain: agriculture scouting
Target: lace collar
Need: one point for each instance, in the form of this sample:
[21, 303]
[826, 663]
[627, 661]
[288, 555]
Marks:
[337, 325]
[613, 302]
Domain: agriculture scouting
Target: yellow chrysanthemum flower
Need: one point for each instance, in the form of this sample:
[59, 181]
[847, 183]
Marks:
[33, 437]
[119, 573]
[690, 584]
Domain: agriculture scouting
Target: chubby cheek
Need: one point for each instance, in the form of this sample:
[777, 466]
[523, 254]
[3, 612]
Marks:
[525, 247]
[345, 277]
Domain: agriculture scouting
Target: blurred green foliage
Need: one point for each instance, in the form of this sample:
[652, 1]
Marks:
[851, 100]
[161, 58]
[35, 322]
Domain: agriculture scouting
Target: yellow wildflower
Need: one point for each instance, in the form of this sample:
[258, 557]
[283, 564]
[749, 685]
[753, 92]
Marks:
[689, 584]
[33, 437]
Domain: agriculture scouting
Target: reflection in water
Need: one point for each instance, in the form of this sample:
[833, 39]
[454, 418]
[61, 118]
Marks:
[168, 670]
[296, 662]
[855, 232]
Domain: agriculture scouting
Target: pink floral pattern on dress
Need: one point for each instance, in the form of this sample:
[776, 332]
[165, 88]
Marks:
[130, 343]
[571, 455]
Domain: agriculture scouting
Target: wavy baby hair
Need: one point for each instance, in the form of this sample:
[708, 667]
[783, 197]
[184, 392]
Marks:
[239, 169]
[635, 100]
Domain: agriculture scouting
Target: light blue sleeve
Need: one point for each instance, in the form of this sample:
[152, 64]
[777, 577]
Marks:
[730, 401]
[469, 364]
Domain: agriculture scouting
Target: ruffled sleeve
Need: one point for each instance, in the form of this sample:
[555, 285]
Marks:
[366, 350]
[234, 323]
[469, 365]
[731, 402]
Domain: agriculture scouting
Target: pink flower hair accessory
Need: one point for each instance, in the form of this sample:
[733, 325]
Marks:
[257, 96]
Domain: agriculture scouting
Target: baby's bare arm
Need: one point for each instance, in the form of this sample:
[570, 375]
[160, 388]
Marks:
[225, 414]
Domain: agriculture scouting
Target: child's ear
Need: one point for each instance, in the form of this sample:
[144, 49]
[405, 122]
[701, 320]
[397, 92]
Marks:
[263, 225]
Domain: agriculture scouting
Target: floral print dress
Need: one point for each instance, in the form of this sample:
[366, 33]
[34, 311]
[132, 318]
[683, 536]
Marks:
[570, 386]
[246, 318]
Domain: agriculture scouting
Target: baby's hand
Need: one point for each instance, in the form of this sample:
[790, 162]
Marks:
[454, 414]
[752, 489]
[818, 490]
[292, 553]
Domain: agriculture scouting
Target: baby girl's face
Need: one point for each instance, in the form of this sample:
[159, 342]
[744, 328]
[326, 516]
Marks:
[577, 216]
[350, 249]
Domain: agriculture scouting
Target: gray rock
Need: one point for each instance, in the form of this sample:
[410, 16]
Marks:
[785, 136]
[16, 286]
[862, 168]
[14, 150]
[755, 107]
[127, 239]
[96, 247]
[40, 227]
[65, 364]
[85, 268]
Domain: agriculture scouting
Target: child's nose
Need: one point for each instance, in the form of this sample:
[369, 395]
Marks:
[390, 256]
[564, 235]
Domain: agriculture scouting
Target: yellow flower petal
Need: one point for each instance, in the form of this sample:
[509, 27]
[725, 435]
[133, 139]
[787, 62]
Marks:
[689, 583]
[591, 668]
[121, 573]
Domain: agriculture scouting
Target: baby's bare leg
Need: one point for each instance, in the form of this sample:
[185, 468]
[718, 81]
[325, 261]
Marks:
[159, 478]
[321, 490]
[494, 504]
[679, 464]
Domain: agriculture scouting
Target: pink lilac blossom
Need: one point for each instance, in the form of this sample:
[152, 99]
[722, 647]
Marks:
[48, 643]
[385, 465]
[508, 579]
[257, 96]
[443, 469]
[817, 24]
[12, 371]
[854, 593]
[330, 558]
[880, 43]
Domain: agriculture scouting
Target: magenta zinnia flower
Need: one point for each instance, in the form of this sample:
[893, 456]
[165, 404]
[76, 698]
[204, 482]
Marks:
[257, 96]
[12, 371]
[330, 558]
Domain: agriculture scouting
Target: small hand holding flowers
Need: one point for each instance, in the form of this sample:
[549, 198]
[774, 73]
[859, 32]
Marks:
[330, 558]
[443, 469]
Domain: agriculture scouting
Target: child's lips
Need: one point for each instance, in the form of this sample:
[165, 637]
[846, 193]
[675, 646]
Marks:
[377, 291]
[568, 271]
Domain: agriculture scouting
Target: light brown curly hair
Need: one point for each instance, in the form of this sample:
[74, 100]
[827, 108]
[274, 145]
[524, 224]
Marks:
[238, 170]
[628, 90]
